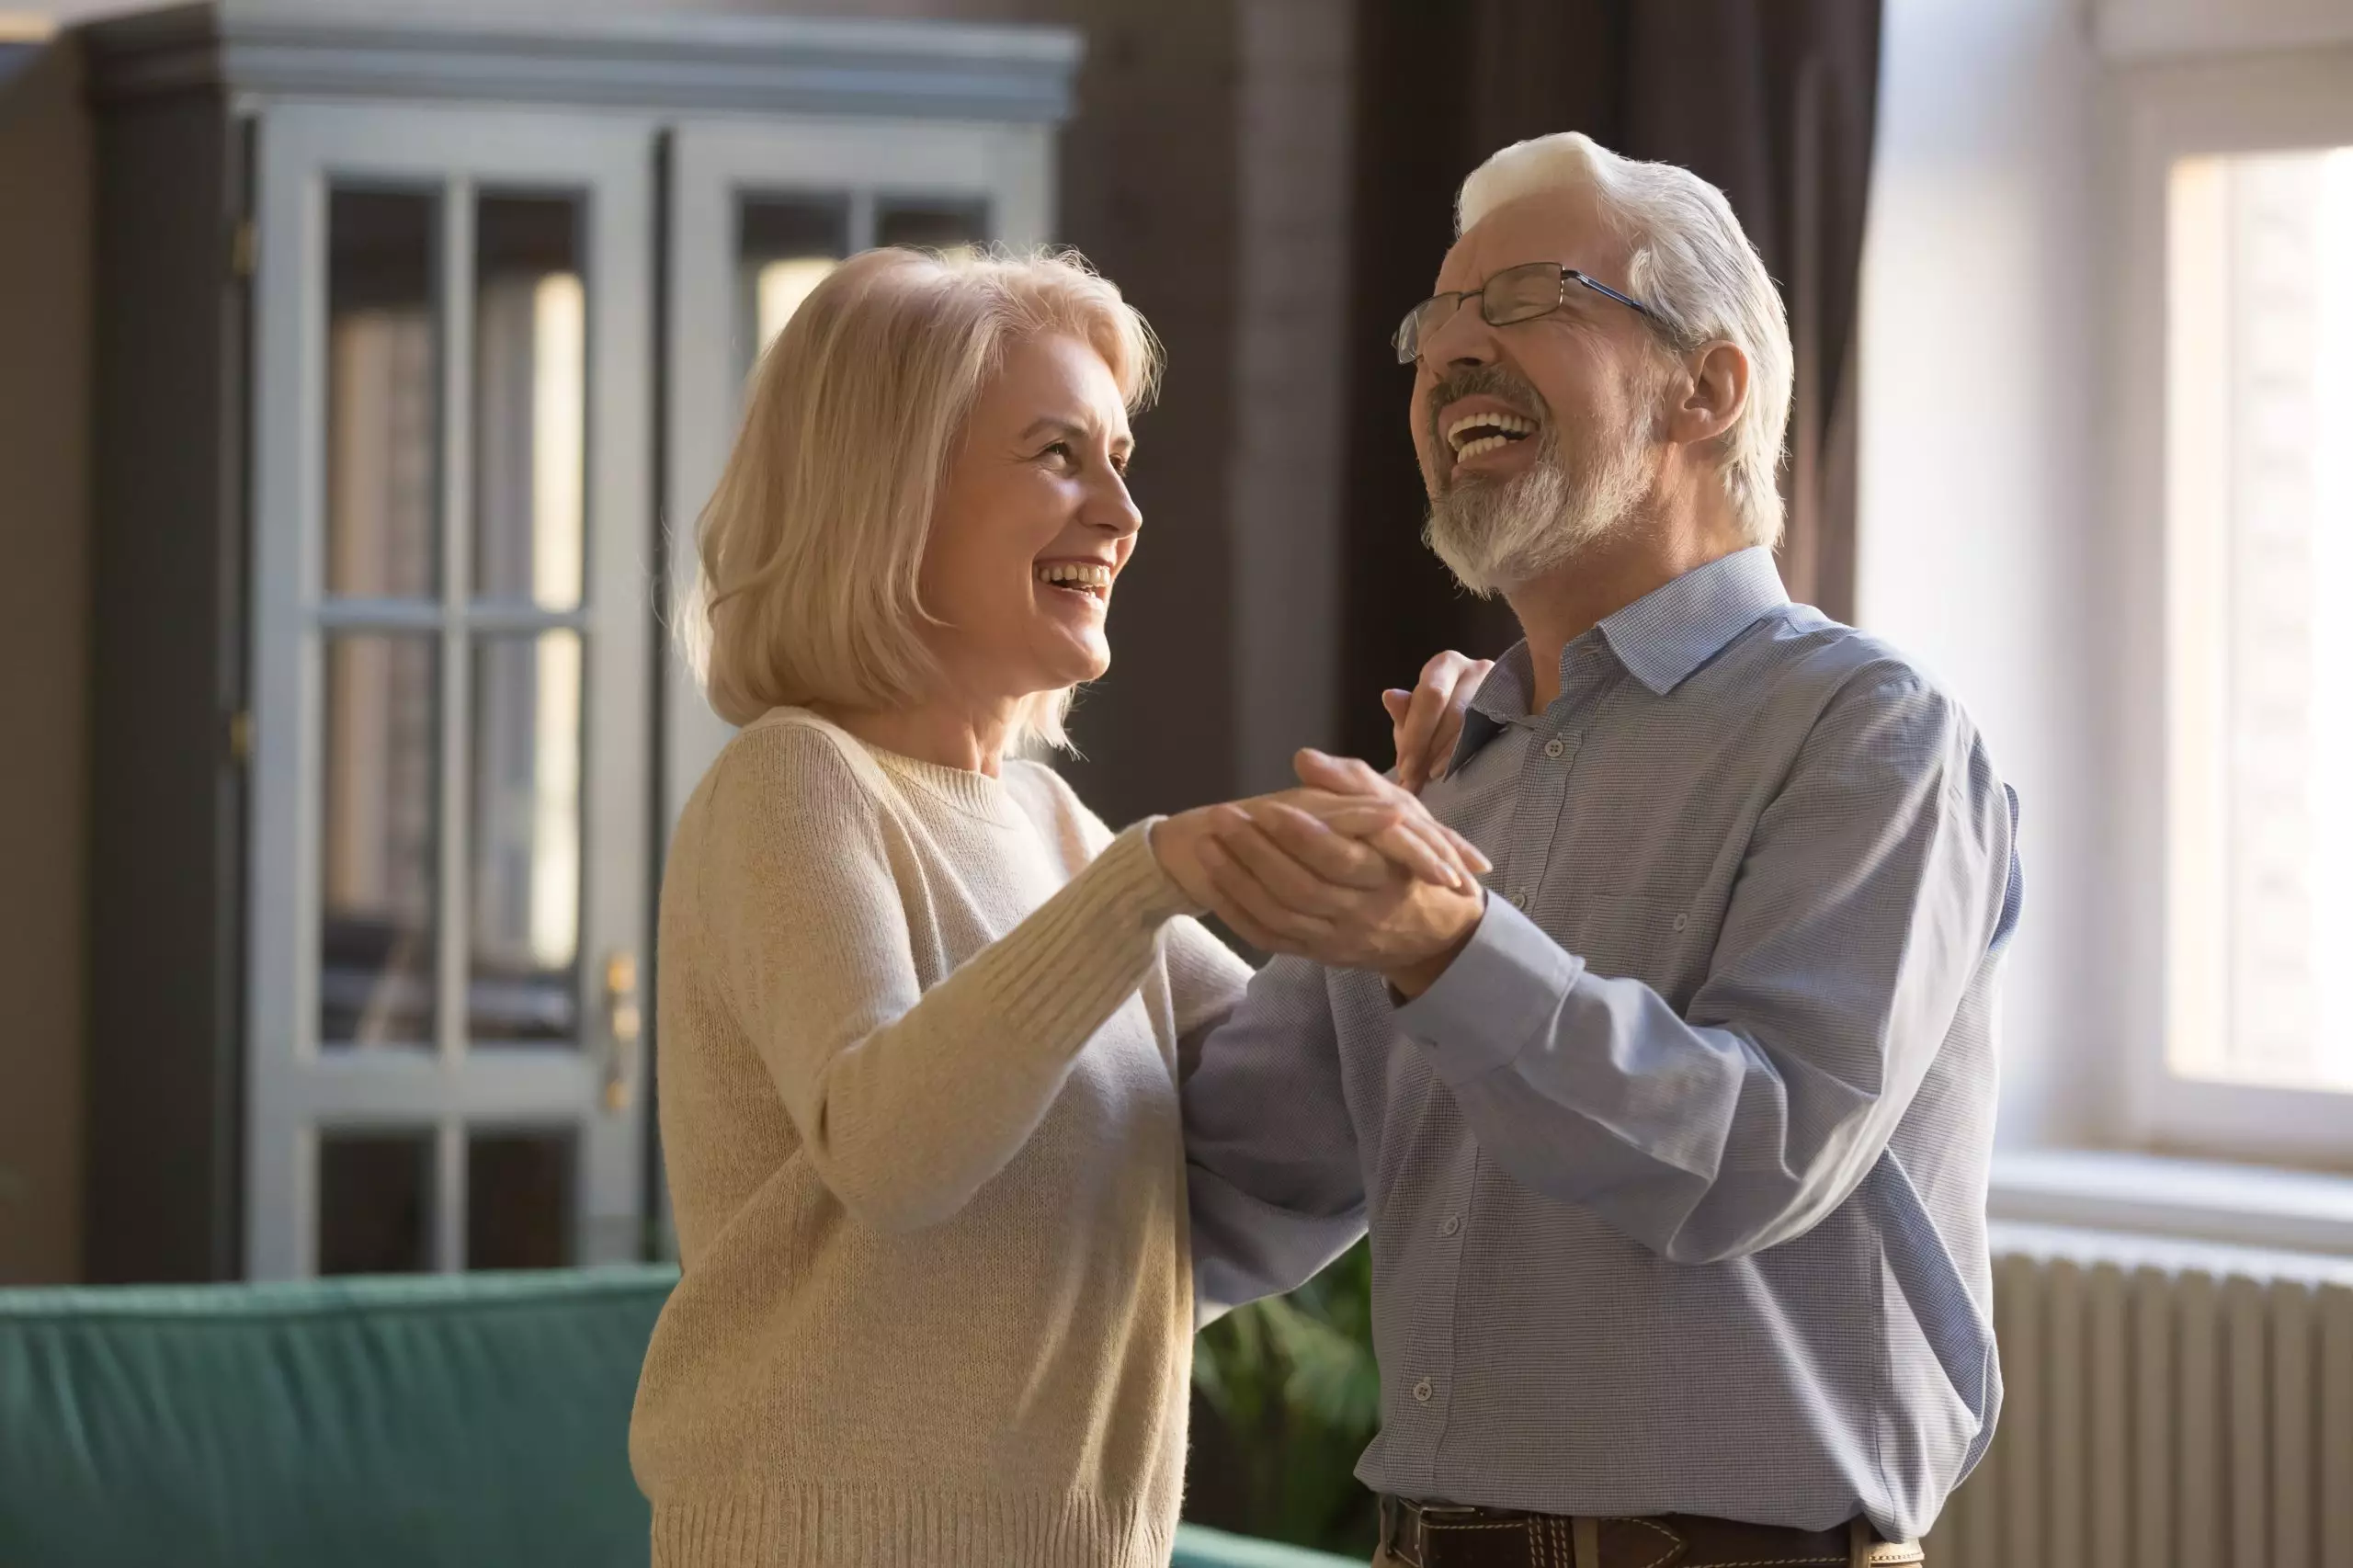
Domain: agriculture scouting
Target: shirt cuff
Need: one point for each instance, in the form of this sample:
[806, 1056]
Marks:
[1505, 986]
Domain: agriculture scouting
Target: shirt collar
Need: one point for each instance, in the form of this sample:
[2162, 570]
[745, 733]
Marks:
[1661, 637]
[1665, 635]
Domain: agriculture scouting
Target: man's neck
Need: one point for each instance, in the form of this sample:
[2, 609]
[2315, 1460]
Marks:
[1598, 581]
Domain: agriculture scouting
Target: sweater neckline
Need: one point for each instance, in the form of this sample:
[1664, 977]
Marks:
[963, 787]
[966, 789]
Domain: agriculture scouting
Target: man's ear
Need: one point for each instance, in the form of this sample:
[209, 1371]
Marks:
[1712, 397]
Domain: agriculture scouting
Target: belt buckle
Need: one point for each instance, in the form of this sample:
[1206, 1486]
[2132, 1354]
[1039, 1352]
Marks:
[1424, 1513]
[1416, 1541]
[1865, 1549]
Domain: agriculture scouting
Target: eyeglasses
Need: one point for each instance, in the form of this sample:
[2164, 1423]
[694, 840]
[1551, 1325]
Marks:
[1514, 294]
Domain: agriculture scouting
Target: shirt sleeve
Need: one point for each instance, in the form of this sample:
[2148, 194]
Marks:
[1878, 881]
[1206, 982]
[906, 1100]
[1272, 1168]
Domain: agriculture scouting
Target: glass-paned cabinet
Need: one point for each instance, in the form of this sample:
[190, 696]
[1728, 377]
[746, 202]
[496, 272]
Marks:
[787, 203]
[423, 344]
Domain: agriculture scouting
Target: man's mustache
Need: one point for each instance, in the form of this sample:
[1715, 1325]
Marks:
[1493, 381]
[1490, 380]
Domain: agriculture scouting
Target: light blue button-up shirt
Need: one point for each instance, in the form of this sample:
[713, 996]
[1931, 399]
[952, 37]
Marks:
[1677, 1178]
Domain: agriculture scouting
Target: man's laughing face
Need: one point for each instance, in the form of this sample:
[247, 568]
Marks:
[1536, 439]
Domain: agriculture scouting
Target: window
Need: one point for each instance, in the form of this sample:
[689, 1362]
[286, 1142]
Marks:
[785, 246]
[2232, 421]
[2260, 624]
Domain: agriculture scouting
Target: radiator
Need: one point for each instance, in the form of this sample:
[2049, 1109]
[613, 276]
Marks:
[2166, 1406]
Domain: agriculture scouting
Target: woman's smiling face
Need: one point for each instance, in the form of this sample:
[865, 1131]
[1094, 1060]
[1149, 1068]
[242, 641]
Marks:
[1033, 525]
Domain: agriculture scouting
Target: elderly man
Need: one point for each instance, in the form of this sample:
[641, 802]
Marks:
[1673, 1138]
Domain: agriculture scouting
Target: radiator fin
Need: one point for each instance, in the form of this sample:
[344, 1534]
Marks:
[2162, 1418]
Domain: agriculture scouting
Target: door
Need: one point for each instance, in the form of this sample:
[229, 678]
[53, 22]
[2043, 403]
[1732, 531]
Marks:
[452, 766]
[759, 212]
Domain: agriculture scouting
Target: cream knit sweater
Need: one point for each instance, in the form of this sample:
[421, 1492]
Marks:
[918, 1064]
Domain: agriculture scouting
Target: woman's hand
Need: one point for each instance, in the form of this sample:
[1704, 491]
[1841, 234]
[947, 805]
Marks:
[1176, 843]
[1426, 722]
[1373, 834]
[1366, 839]
[1291, 879]
[1275, 884]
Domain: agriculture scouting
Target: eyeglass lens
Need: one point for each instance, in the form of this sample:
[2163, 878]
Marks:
[1520, 293]
[1514, 294]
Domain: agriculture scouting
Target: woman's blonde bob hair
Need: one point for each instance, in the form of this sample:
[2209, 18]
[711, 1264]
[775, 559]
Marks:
[812, 547]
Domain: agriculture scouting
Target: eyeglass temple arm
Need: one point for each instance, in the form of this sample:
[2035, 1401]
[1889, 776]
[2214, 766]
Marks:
[1600, 287]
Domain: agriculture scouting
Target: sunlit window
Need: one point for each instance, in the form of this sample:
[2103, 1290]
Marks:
[785, 243]
[2260, 678]
[778, 290]
[559, 397]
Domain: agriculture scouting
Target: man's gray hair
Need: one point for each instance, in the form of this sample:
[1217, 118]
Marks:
[1693, 266]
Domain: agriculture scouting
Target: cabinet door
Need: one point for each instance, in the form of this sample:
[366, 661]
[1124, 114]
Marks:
[759, 212]
[452, 699]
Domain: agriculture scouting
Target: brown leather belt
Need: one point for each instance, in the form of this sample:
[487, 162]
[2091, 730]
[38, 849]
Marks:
[1430, 1535]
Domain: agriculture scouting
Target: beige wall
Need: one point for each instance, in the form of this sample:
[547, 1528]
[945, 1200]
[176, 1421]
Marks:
[44, 632]
[1978, 550]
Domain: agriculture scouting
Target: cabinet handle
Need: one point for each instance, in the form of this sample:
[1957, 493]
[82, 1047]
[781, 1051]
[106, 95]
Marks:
[623, 1024]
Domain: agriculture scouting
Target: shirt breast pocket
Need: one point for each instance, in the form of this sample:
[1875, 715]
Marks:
[1657, 938]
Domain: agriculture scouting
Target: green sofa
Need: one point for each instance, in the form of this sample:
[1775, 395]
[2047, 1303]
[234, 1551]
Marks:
[460, 1419]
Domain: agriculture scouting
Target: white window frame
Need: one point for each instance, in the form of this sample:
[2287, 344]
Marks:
[2156, 113]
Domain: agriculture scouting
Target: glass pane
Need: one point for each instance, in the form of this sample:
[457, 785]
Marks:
[2259, 373]
[784, 247]
[519, 1200]
[375, 1203]
[382, 408]
[523, 983]
[956, 223]
[376, 855]
[530, 399]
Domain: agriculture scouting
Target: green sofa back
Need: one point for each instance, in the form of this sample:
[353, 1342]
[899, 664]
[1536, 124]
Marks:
[466, 1419]
[448, 1419]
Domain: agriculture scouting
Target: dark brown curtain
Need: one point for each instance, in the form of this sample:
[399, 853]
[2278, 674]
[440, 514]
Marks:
[1770, 99]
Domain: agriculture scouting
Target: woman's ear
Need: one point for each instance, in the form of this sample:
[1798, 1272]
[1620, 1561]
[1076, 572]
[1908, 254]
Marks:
[1713, 396]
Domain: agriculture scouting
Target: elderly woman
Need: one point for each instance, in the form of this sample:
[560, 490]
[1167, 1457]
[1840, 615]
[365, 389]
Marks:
[921, 1012]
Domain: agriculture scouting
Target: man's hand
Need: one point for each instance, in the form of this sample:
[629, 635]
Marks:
[1426, 722]
[1291, 880]
[1367, 839]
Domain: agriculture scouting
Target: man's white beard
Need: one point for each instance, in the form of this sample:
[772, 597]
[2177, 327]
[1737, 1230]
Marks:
[1496, 534]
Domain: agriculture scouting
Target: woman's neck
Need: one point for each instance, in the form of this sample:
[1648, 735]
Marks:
[951, 735]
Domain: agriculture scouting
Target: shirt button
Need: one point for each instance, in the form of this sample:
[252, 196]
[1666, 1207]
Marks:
[1422, 1391]
[1453, 1223]
[1682, 922]
[1553, 747]
[1518, 899]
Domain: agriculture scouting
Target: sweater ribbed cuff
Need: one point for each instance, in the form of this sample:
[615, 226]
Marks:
[1171, 900]
[1081, 952]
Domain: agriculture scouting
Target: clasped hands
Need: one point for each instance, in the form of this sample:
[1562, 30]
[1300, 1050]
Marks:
[1349, 869]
